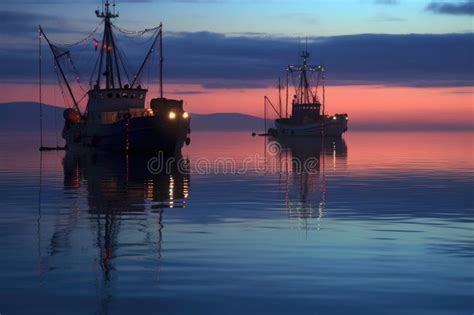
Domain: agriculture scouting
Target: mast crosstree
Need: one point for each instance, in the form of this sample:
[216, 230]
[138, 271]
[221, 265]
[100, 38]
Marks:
[108, 51]
[304, 92]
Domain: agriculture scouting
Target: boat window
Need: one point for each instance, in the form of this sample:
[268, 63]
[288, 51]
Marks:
[117, 95]
[141, 96]
[125, 95]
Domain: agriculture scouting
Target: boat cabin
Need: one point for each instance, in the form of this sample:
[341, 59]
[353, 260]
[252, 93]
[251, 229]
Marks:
[305, 112]
[116, 100]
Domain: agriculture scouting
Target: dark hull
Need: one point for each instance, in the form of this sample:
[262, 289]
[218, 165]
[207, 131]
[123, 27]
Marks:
[321, 128]
[142, 134]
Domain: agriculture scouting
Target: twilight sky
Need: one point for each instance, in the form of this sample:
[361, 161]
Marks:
[400, 61]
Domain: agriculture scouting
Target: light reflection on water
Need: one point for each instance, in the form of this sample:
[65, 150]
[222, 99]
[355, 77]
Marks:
[383, 225]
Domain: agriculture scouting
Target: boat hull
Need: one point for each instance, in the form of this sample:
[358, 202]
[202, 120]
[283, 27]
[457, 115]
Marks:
[141, 134]
[322, 128]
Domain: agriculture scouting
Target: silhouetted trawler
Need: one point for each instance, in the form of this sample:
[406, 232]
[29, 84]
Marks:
[308, 117]
[116, 117]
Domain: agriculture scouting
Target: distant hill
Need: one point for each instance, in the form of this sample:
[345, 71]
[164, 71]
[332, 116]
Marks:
[23, 117]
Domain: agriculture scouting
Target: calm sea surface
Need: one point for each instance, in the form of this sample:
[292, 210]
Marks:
[379, 223]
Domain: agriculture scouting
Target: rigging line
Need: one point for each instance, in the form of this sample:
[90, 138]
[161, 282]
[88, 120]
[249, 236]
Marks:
[139, 41]
[119, 54]
[312, 83]
[88, 62]
[61, 89]
[93, 71]
[150, 50]
[130, 32]
[267, 101]
[293, 82]
[75, 72]
[82, 40]
[125, 64]
[82, 98]
[60, 69]
[317, 83]
[56, 125]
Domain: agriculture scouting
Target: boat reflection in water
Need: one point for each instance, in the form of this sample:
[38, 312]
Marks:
[125, 204]
[123, 183]
[304, 163]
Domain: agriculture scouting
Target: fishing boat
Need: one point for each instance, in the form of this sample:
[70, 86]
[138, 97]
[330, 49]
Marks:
[117, 116]
[308, 116]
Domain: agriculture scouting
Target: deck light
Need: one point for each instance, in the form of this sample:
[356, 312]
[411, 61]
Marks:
[334, 117]
[172, 115]
[185, 115]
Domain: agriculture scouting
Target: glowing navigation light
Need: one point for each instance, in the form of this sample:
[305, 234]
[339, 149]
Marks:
[172, 115]
[347, 118]
[334, 117]
[185, 115]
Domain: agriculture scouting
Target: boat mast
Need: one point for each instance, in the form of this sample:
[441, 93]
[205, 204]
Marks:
[279, 95]
[40, 57]
[161, 59]
[304, 85]
[287, 90]
[108, 46]
[303, 90]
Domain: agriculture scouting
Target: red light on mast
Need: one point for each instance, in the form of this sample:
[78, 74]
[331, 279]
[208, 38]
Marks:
[96, 44]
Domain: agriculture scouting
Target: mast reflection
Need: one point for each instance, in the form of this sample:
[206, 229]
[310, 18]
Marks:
[119, 191]
[304, 163]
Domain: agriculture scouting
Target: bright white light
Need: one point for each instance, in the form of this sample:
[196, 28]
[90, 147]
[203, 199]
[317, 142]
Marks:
[334, 117]
[172, 115]
[185, 115]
